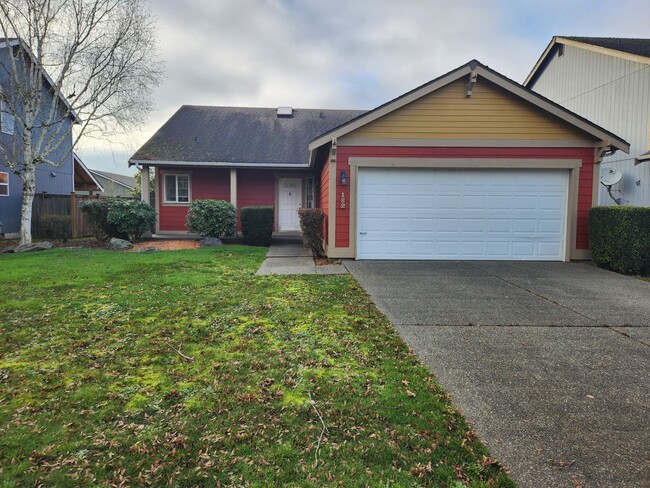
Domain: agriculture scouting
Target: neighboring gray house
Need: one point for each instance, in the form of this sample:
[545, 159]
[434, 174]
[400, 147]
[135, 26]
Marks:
[114, 185]
[51, 180]
[606, 80]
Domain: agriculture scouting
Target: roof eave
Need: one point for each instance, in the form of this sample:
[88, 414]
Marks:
[542, 61]
[77, 159]
[217, 164]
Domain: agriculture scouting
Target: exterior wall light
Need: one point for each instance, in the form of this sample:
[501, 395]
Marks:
[344, 178]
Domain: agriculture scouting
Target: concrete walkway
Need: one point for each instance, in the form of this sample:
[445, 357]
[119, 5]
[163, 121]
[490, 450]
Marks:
[289, 258]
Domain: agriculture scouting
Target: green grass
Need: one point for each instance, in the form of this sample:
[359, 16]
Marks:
[184, 368]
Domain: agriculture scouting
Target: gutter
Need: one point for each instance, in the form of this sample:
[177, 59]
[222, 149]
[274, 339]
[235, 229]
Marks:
[217, 164]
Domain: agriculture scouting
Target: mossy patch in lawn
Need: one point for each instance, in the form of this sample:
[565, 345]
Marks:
[185, 368]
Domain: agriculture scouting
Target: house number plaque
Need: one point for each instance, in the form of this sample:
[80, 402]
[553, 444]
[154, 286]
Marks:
[342, 199]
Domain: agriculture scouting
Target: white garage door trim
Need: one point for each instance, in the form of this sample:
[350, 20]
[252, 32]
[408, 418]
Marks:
[466, 214]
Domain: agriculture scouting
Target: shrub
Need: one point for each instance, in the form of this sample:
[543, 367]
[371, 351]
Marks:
[58, 227]
[212, 218]
[131, 217]
[257, 225]
[620, 238]
[311, 223]
[97, 212]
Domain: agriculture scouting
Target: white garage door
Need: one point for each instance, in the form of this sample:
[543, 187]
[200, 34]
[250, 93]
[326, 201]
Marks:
[461, 214]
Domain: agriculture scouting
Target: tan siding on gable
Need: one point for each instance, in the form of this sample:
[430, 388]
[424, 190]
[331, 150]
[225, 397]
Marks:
[490, 113]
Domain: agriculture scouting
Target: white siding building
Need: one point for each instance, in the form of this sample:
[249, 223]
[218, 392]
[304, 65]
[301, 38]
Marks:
[606, 80]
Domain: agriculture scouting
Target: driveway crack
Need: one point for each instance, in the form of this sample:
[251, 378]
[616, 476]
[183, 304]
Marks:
[596, 322]
[535, 294]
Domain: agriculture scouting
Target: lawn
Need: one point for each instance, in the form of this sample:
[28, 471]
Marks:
[183, 368]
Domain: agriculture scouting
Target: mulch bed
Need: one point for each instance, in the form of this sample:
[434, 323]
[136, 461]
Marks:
[92, 243]
[164, 245]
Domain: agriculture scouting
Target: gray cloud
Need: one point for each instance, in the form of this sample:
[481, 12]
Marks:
[348, 54]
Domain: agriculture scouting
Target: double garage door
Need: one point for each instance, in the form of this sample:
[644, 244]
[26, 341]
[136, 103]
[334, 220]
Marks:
[461, 214]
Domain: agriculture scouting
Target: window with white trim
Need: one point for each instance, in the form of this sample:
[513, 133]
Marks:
[4, 184]
[6, 120]
[177, 188]
[309, 198]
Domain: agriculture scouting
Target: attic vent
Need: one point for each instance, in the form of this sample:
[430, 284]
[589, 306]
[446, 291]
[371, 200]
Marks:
[285, 112]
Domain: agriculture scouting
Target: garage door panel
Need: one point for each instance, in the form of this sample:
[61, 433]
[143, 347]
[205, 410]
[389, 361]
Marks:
[498, 226]
[524, 226]
[461, 214]
[550, 226]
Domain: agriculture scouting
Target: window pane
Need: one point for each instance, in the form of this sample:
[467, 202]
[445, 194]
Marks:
[183, 188]
[170, 188]
[4, 178]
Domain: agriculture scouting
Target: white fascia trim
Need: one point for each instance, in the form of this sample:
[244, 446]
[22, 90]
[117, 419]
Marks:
[218, 164]
[539, 62]
[581, 45]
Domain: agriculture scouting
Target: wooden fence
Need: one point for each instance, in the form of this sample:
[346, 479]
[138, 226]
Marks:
[64, 205]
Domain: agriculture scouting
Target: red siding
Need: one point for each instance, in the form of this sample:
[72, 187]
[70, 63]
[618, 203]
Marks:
[255, 187]
[204, 183]
[585, 187]
[325, 195]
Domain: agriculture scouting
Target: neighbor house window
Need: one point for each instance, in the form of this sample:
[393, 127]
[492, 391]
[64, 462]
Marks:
[6, 120]
[4, 184]
[177, 188]
[309, 199]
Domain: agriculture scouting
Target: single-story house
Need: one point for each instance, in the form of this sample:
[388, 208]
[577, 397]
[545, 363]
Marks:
[471, 165]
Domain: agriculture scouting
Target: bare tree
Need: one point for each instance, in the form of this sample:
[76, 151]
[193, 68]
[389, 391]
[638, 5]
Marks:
[88, 63]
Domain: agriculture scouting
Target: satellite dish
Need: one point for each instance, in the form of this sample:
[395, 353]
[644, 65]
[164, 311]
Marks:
[611, 177]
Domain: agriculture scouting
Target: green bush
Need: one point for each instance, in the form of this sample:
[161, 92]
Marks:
[131, 217]
[620, 238]
[97, 213]
[58, 227]
[257, 225]
[311, 223]
[212, 218]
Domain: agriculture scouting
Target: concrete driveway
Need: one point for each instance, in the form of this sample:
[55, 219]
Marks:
[549, 361]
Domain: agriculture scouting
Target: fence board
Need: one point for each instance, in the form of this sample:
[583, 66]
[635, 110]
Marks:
[66, 205]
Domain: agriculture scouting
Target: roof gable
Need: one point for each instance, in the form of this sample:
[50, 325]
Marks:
[449, 114]
[478, 72]
[637, 50]
[11, 42]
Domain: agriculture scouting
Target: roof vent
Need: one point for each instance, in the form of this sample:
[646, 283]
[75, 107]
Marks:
[285, 112]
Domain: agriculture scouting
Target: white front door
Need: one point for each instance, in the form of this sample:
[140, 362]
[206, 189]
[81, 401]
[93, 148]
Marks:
[290, 202]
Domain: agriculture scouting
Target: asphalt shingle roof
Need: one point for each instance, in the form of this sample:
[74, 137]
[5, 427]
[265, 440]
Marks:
[639, 47]
[123, 179]
[240, 135]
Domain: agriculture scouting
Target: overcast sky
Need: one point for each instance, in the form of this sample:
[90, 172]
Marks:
[347, 53]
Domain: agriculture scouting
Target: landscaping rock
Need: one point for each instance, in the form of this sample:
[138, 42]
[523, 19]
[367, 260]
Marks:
[119, 244]
[210, 242]
[33, 247]
[147, 249]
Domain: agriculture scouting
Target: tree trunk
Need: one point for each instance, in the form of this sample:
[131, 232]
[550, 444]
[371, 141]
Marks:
[29, 189]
